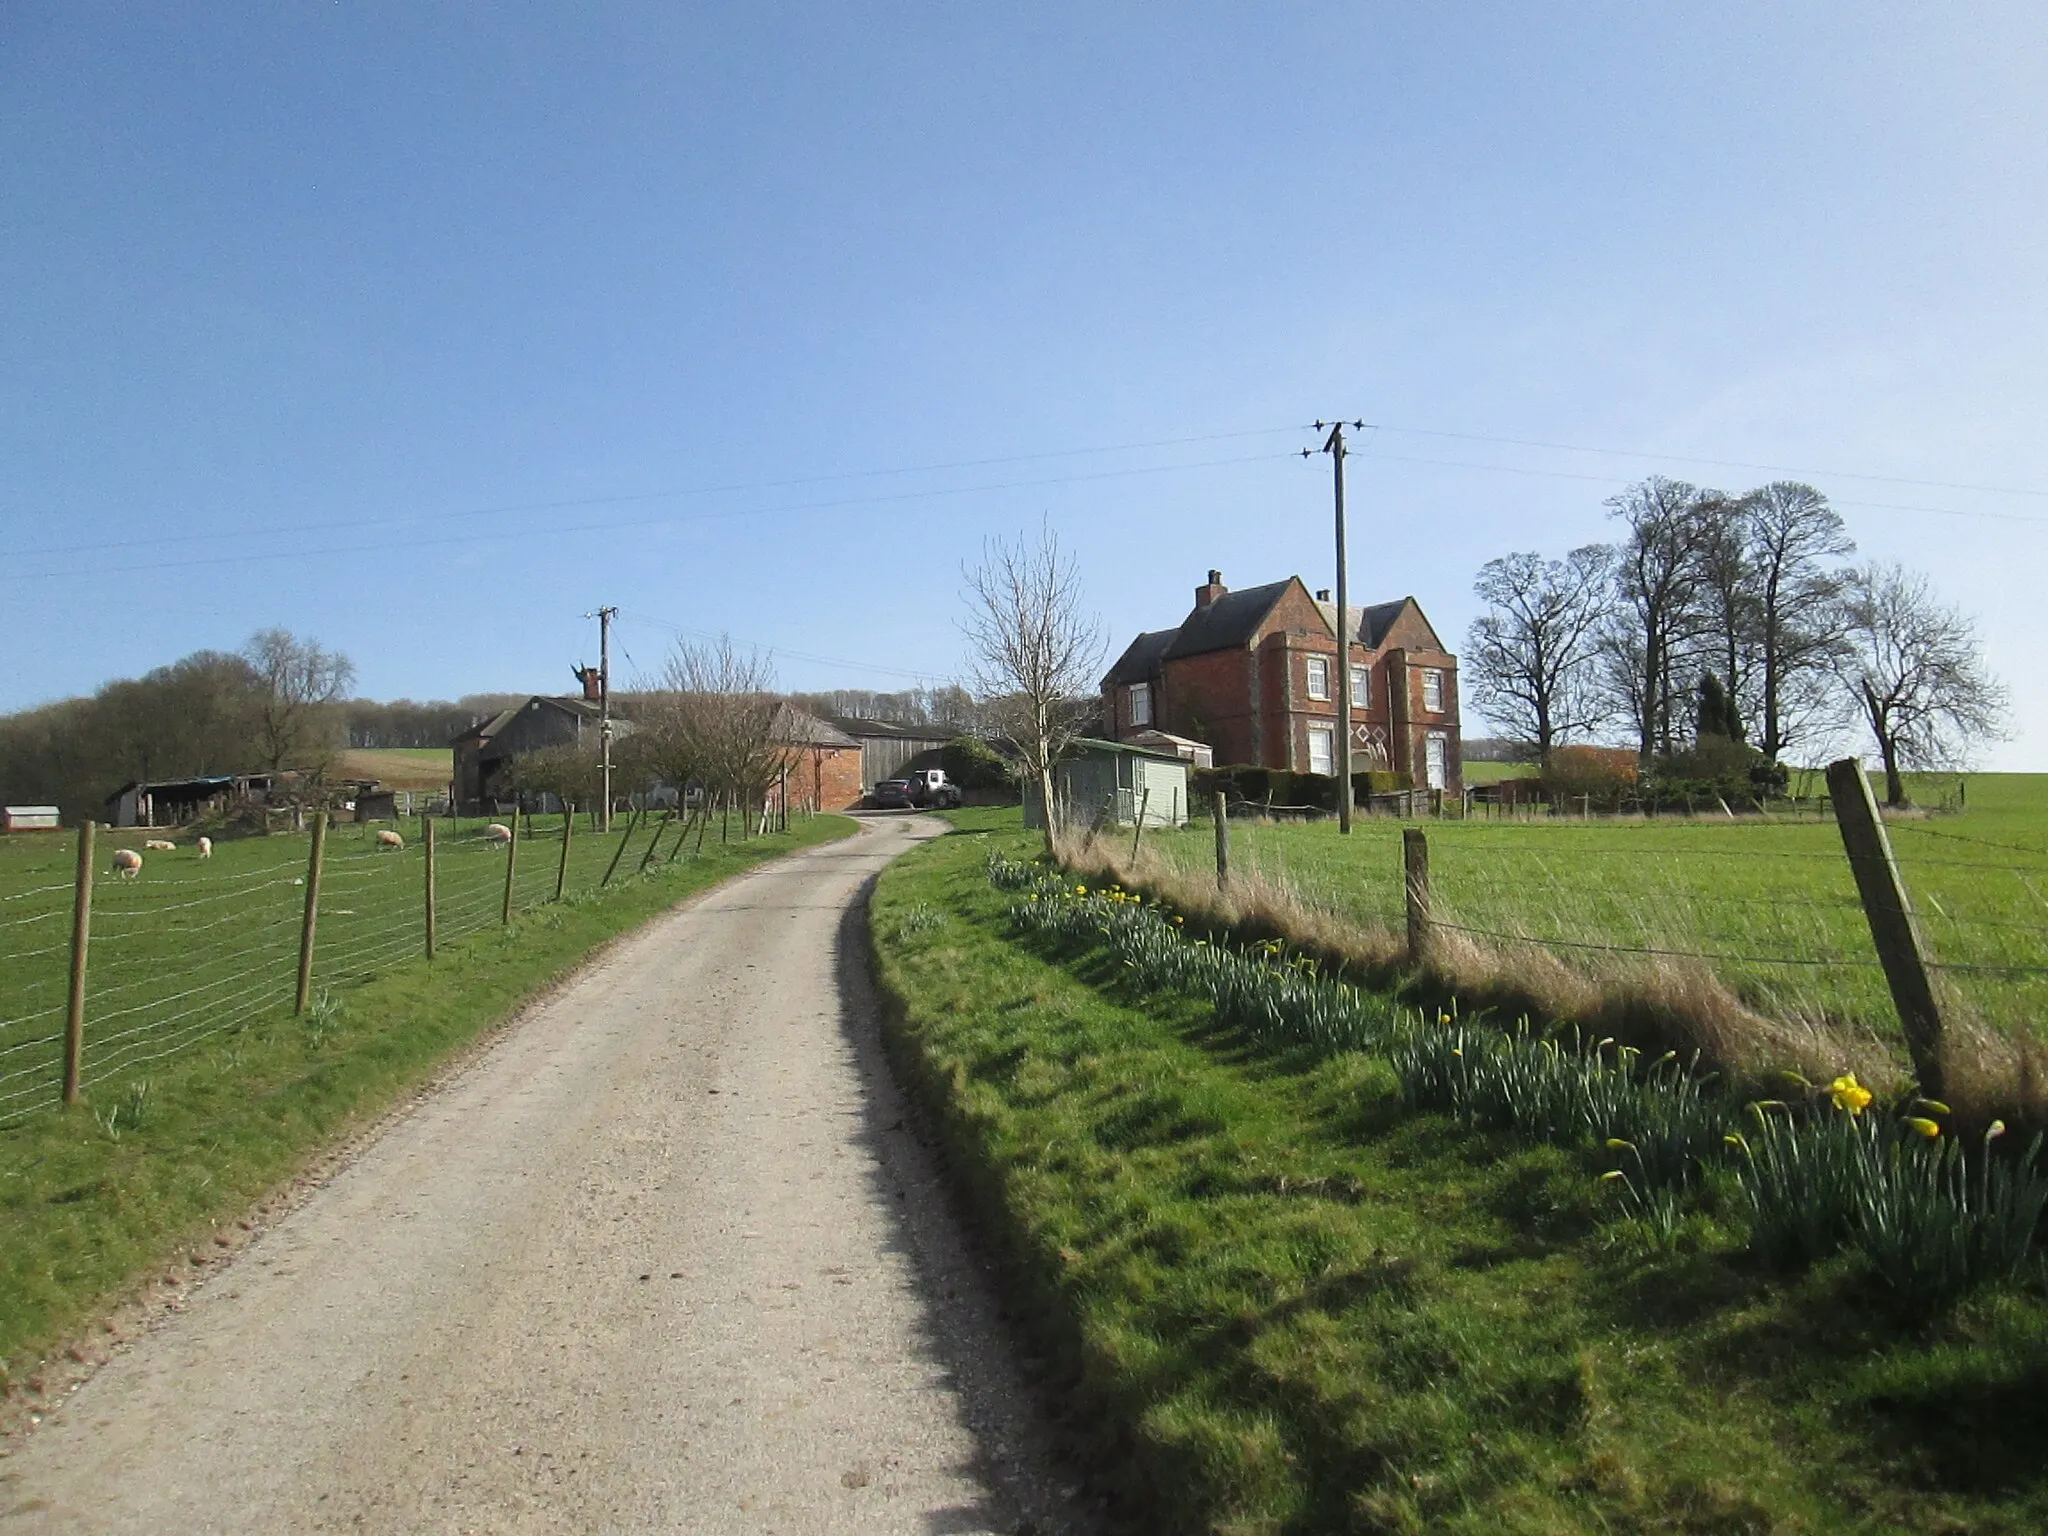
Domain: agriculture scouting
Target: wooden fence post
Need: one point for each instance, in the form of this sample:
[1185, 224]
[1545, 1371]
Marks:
[427, 842]
[620, 852]
[1890, 914]
[314, 860]
[511, 865]
[1222, 838]
[562, 868]
[1144, 805]
[81, 938]
[1415, 870]
[683, 836]
[654, 842]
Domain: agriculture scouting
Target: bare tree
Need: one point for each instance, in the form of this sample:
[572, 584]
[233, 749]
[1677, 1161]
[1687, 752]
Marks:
[1917, 671]
[711, 722]
[1792, 535]
[1651, 637]
[1035, 654]
[298, 684]
[1530, 658]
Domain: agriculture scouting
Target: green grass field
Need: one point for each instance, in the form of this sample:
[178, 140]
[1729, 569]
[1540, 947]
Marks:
[1493, 773]
[202, 1089]
[1279, 1302]
[1771, 904]
[192, 948]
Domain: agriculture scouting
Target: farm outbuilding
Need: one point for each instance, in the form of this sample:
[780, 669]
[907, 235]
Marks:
[484, 752]
[29, 818]
[174, 802]
[1116, 782]
[889, 751]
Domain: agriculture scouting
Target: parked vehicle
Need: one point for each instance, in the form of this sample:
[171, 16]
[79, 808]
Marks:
[931, 789]
[892, 794]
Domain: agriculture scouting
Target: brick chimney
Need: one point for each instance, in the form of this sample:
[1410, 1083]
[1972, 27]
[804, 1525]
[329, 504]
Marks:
[1210, 590]
[1322, 594]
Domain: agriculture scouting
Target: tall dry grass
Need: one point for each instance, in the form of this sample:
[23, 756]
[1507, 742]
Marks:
[1654, 1002]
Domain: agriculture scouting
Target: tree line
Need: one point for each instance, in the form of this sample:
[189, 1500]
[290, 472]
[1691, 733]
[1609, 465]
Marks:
[1728, 628]
[272, 705]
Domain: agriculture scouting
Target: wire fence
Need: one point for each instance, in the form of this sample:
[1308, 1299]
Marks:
[191, 949]
[1769, 909]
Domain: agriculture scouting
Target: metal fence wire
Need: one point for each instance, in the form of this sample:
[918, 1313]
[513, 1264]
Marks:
[192, 950]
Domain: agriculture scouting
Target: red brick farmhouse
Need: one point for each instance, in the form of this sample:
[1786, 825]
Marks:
[1254, 674]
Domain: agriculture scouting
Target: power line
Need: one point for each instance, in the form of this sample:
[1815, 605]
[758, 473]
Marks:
[658, 522]
[1693, 458]
[1623, 480]
[613, 499]
[921, 678]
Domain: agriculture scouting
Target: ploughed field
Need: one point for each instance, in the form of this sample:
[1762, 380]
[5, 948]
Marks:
[1769, 906]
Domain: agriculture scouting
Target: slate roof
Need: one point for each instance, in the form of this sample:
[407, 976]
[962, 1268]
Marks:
[795, 727]
[1231, 620]
[504, 717]
[883, 730]
[1141, 657]
[1370, 624]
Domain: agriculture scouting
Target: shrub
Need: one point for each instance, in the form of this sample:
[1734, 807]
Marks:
[1282, 786]
[1716, 769]
[1605, 775]
[972, 763]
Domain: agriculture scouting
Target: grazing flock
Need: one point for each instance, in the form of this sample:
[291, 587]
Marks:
[128, 862]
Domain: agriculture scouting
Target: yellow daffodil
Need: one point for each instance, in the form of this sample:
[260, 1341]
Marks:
[1924, 1126]
[1611, 1175]
[1616, 1144]
[1996, 1128]
[1934, 1106]
[1848, 1094]
[1735, 1140]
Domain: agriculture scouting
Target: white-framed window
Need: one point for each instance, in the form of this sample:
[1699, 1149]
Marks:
[1436, 759]
[1432, 690]
[1322, 749]
[1319, 677]
[1361, 688]
[1138, 697]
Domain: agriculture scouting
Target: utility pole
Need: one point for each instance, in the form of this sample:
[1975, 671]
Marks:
[1334, 447]
[604, 617]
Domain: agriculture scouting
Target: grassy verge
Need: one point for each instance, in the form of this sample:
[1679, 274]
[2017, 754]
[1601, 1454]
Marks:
[91, 1198]
[1280, 1302]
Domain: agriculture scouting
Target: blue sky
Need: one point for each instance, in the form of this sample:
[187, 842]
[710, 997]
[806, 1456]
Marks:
[425, 329]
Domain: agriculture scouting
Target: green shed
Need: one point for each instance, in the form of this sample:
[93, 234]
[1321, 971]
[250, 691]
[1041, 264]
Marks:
[1114, 781]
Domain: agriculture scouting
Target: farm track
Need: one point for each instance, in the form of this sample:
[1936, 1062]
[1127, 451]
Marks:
[665, 1258]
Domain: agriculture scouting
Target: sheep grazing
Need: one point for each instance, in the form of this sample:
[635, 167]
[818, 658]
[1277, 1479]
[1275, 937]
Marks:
[160, 845]
[386, 838]
[127, 863]
[498, 832]
[205, 847]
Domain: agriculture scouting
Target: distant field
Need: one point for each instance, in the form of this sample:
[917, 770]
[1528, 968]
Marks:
[427, 768]
[1493, 773]
[1770, 905]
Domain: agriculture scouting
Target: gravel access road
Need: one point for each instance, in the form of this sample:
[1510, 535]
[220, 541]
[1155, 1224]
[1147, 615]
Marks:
[662, 1258]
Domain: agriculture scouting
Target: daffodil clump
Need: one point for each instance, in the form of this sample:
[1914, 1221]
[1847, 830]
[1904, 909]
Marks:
[1821, 1173]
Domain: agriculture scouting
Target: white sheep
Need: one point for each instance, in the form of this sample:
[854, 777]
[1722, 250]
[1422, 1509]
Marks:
[127, 863]
[498, 832]
[160, 845]
[386, 838]
[205, 847]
